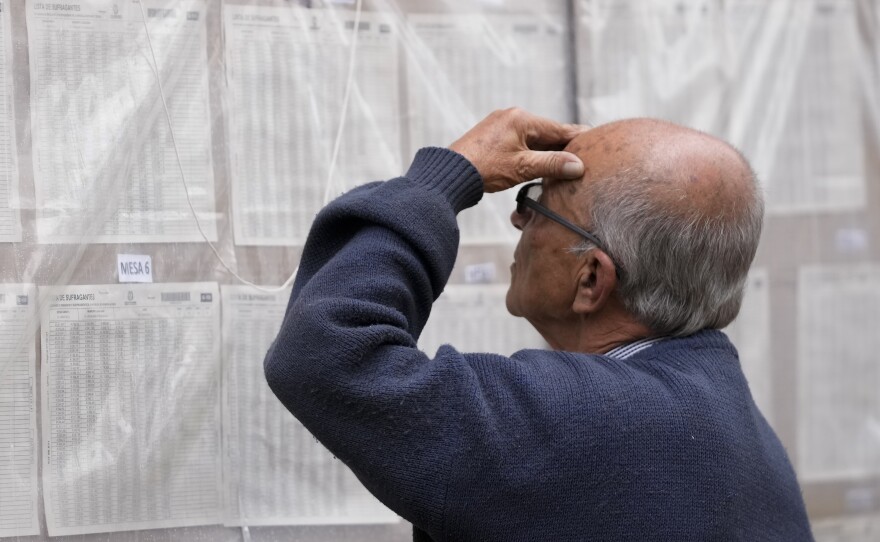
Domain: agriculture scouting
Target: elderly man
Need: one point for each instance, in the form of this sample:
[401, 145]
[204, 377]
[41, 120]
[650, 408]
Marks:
[638, 425]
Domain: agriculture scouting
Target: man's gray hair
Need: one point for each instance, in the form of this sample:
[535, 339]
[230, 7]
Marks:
[681, 271]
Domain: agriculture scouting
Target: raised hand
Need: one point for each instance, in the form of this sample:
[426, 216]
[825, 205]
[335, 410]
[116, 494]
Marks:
[512, 146]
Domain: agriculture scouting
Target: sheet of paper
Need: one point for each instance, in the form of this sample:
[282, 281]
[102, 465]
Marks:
[18, 420]
[657, 59]
[286, 76]
[10, 219]
[104, 164]
[275, 472]
[474, 318]
[797, 100]
[838, 374]
[130, 406]
[861, 528]
[463, 67]
[750, 333]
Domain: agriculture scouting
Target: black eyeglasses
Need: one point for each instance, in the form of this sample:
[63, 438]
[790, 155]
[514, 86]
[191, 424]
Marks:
[528, 197]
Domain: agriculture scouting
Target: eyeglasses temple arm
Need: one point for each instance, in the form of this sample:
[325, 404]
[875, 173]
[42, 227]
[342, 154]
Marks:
[550, 214]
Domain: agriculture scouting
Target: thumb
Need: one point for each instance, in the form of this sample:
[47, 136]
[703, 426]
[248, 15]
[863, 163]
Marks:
[551, 164]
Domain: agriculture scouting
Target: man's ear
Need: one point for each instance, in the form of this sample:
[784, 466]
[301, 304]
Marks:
[597, 280]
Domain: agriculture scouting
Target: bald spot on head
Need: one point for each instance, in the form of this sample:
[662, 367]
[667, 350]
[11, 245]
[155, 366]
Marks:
[688, 170]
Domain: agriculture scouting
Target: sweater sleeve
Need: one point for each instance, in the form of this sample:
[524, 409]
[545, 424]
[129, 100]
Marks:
[345, 361]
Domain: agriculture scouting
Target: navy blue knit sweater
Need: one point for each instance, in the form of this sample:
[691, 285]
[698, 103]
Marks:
[665, 445]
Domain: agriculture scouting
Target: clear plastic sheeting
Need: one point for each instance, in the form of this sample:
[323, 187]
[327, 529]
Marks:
[296, 61]
[857, 529]
[475, 314]
[265, 487]
[787, 82]
[834, 396]
[18, 450]
[139, 411]
[10, 206]
[93, 93]
[130, 406]
[750, 332]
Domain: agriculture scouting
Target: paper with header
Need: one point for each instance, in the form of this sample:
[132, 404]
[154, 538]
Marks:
[130, 406]
[296, 60]
[104, 164]
[275, 472]
[18, 420]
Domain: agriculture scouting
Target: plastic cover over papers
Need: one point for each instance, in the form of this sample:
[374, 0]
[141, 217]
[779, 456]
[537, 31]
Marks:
[488, 62]
[473, 318]
[131, 406]
[10, 218]
[104, 164]
[18, 420]
[750, 333]
[838, 377]
[274, 471]
[283, 59]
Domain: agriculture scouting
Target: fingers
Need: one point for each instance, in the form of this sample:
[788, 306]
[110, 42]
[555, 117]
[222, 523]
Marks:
[541, 132]
[512, 146]
[557, 165]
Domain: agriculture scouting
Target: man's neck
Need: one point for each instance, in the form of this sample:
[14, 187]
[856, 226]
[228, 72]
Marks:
[592, 334]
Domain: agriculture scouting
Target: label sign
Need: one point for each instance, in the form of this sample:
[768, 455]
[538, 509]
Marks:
[134, 268]
[480, 273]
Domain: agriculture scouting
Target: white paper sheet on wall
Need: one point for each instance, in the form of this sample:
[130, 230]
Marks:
[275, 472]
[750, 333]
[286, 75]
[838, 374]
[861, 528]
[463, 67]
[130, 406]
[659, 59]
[797, 100]
[18, 421]
[104, 164]
[474, 318]
[10, 219]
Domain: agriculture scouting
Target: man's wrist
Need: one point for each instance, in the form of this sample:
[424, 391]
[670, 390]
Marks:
[447, 172]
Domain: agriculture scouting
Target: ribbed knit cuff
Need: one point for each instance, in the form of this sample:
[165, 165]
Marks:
[447, 173]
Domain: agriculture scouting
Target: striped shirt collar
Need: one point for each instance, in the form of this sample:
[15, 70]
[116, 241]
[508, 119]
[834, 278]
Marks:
[630, 349]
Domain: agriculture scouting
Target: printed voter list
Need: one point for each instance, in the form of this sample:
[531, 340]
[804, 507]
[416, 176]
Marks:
[130, 406]
[274, 471]
[103, 159]
[302, 55]
[18, 438]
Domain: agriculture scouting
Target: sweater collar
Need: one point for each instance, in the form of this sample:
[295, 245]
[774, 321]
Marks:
[630, 349]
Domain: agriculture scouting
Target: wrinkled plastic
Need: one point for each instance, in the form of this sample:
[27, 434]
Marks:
[138, 412]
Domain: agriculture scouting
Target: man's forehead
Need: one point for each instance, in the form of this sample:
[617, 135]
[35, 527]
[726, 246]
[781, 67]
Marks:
[583, 142]
[581, 146]
[605, 140]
